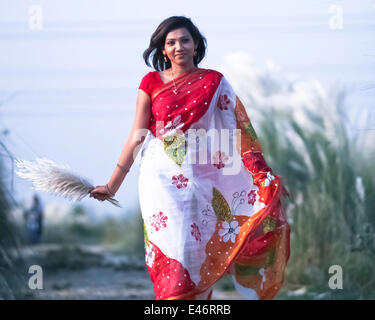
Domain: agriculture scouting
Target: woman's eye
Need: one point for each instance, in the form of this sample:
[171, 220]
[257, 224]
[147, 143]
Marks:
[171, 43]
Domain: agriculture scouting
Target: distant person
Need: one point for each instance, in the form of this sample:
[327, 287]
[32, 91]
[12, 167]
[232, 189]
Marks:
[34, 220]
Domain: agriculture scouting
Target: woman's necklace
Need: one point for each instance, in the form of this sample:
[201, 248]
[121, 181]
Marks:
[175, 91]
[175, 88]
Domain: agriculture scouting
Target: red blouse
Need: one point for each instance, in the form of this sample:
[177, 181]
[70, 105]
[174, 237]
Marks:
[150, 82]
[196, 91]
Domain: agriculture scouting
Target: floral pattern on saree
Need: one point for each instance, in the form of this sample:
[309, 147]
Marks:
[220, 224]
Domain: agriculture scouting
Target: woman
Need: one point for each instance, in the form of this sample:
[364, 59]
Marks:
[209, 202]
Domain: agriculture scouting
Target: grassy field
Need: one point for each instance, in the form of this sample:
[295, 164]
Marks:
[331, 180]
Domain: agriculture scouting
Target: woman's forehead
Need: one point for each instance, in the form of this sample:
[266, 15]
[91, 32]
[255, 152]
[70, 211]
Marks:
[178, 33]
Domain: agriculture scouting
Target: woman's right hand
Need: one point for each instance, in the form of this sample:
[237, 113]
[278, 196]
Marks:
[100, 193]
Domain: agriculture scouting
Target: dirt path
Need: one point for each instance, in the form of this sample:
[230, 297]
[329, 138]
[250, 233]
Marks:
[94, 272]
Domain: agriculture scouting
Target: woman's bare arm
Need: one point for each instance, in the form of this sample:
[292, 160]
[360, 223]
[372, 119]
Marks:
[128, 154]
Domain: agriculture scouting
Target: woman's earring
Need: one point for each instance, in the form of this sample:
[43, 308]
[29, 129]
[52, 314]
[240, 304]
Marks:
[195, 52]
[165, 58]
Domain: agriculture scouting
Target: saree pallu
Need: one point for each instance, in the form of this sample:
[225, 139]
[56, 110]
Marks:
[210, 203]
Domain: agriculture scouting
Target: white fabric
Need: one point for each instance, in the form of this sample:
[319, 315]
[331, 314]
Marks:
[192, 204]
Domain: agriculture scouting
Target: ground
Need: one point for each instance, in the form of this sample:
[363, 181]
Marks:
[95, 272]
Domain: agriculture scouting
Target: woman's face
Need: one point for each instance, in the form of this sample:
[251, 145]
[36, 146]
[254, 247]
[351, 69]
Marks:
[179, 47]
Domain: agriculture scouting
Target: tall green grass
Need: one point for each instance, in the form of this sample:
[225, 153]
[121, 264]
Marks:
[332, 223]
[11, 262]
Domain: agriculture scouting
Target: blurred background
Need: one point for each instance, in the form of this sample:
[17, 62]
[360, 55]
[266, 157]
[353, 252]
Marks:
[69, 74]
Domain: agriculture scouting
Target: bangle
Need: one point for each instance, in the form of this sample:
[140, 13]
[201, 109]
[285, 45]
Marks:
[112, 194]
[123, 168]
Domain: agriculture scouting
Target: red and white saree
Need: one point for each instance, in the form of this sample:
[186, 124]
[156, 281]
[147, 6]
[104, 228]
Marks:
[209, 202]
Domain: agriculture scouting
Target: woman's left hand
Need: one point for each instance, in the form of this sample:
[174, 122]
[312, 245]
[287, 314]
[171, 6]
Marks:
[100, 193]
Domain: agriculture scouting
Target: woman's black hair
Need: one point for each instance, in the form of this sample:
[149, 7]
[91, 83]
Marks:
[158, 40]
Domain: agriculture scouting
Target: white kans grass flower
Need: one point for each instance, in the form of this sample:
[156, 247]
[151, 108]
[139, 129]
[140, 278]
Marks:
[284, 94]
[360, 188]
[50, 177]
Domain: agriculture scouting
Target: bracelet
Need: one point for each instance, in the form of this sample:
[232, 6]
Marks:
[123, 168]
[112, 194]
